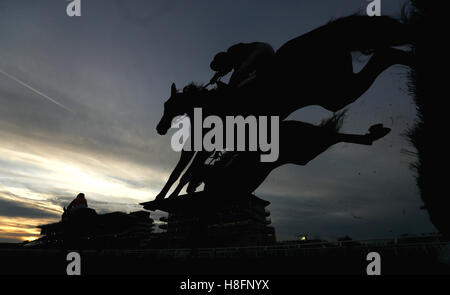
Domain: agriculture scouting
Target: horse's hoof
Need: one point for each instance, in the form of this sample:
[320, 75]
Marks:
[159, 198]
[378, 131]
[375, 127]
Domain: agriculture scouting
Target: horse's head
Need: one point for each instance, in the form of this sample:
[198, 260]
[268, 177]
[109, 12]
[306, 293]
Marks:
[173, 107]
[178, 104]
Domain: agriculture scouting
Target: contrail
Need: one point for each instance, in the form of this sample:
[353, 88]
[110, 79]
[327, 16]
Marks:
[36, 91]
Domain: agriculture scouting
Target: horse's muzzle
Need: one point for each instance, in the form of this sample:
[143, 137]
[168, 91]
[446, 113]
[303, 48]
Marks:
[161, 129]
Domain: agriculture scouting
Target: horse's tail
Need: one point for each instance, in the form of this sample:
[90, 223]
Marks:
[364, 33]
[334, 124]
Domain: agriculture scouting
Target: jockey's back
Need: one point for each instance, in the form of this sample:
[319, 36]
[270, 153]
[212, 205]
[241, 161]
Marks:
[78, 202]
[244, 58]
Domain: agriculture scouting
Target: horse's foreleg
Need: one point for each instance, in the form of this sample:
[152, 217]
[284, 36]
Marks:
[185, 158]
[195, 168]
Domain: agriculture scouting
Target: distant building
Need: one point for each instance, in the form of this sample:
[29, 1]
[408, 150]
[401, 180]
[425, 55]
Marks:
[87, 229]
[194, 221]
[201, 220]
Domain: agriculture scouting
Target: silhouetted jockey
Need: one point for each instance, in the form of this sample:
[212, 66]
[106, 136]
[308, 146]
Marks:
[244, 59]
[78, 202]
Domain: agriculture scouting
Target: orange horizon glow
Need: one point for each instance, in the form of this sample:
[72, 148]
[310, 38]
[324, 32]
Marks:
[67, 172]
[21, 229]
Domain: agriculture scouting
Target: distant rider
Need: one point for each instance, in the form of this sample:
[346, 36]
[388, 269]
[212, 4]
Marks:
[78, 202]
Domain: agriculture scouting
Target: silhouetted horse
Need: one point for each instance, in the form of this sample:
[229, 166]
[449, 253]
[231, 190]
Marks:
[244, 172]
[313, 69]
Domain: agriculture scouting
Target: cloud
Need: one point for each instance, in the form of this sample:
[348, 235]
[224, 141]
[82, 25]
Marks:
[15, 208]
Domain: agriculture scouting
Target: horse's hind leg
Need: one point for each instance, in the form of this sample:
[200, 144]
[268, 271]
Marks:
[360, 33]
[378, 63]
[352, 86]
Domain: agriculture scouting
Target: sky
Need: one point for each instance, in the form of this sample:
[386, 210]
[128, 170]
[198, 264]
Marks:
[111, 70]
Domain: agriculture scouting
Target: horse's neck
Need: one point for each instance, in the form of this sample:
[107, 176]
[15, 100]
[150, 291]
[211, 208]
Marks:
[253, 99]
[211, 104]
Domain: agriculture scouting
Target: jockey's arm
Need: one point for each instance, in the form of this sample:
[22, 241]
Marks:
[215, 78]
[218, 75]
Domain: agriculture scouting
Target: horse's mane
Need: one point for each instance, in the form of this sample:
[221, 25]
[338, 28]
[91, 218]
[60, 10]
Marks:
[196, 89]
[193, 88]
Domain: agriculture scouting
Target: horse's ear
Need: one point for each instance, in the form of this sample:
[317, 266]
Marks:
[173, 89]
